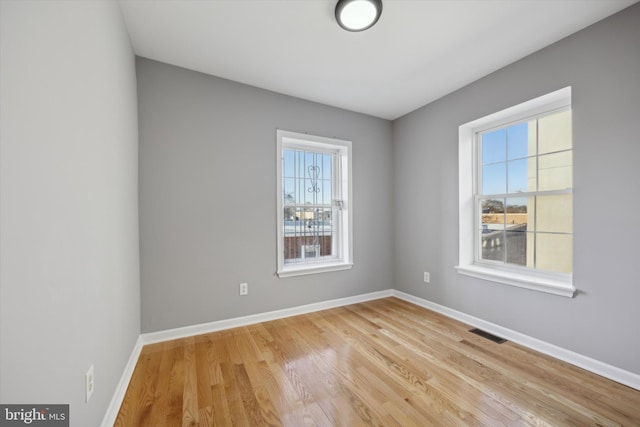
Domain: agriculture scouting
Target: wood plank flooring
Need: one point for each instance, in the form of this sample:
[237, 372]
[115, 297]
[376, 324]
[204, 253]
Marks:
[380, 363]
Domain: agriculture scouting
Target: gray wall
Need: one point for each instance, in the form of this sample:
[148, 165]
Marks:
[69, 270]
[208, 198]
[602, 64]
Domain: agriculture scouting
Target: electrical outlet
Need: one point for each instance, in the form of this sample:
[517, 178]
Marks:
[89, 385]
[244, 288]
[427, 277]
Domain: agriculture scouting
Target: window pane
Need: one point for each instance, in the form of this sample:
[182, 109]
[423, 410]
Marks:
[494, 179]
[492, 211]
[516, 247]
[326, 166]
[521, 140]
[555, 171]
[554, 132]
[309, 158]
[517, 213]
[326, 193]
[308, 234]
[288, 162]
[289, 191]
[492, 245]
[554, 252]
[289, 215]
[320, 192]
[307, 191]
[494, 146]
[300, 165]
[292, 229]
[522, 175]
[516, 219]
[313, 232]
[531, 240]
[555, 213]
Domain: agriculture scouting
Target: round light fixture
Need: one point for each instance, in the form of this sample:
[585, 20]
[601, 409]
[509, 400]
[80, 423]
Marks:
[358, 15]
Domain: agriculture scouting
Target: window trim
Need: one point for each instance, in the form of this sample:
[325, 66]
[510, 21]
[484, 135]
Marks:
[345, 221]
[553, 283]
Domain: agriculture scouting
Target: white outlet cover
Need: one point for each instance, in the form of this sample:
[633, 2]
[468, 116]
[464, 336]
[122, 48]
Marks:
[244, 288]
[89, 384]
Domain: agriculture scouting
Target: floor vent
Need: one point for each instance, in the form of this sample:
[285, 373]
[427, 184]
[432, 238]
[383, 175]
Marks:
[487, 335]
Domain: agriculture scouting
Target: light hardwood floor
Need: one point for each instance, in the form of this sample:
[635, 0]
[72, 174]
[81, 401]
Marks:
[380, 363]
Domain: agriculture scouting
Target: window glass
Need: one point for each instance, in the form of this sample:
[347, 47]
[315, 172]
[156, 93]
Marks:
[494, 178]
[555, 171]
[519, 175]
[308, 229]
[529, 164]
[555, 213]
[554, 132]
[554, 252]
[518, 142]
[494, 146]
[314, 210]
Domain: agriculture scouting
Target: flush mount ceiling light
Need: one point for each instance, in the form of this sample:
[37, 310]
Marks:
[358, 15]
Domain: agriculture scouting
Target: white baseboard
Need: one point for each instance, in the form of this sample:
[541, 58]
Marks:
[114, 406]
[608, 371]
[204, 328]
[171, 334]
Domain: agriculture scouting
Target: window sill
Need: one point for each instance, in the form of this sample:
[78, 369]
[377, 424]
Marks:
[306, 269]
[551, 285]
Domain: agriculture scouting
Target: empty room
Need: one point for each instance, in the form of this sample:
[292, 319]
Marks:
[319, 212]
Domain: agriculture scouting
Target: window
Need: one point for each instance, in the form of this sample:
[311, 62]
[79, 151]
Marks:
[314, 210]
[516, 203]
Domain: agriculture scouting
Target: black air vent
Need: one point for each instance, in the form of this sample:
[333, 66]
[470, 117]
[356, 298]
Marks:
[487, 335]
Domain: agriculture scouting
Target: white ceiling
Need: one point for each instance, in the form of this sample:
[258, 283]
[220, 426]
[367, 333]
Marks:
[419, 51]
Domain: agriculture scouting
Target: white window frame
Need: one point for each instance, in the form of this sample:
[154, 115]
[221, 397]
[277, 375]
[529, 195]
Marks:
[553, 283]
[343, 230]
